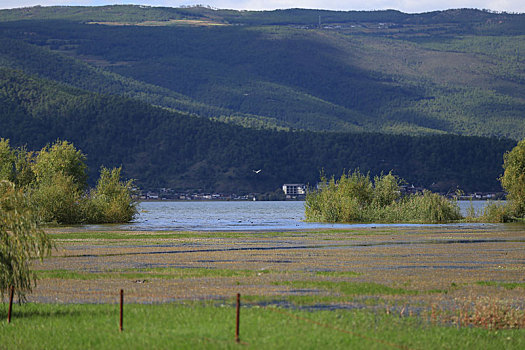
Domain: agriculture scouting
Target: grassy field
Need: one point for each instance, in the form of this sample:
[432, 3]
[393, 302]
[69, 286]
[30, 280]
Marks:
[455, 286]
[198, 325]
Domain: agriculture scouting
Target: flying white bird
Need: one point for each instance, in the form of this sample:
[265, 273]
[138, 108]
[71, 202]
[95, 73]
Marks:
[257, 171]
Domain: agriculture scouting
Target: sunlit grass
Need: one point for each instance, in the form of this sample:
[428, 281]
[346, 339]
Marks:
[205, 326]
[163, 273]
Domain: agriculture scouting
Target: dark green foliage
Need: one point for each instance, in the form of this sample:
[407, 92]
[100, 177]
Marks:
[456, 71]
[355, 198]
[160, 148]
[457, 19]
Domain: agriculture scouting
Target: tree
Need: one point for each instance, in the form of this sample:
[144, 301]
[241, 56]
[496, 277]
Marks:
[21, 240]
[61, 181]
[58, 200]
[15, 164]
[111, 201]
[61, 157]
[386, 189]
[513, 179]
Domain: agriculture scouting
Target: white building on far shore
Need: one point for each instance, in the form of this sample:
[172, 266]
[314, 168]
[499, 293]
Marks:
[294, 190]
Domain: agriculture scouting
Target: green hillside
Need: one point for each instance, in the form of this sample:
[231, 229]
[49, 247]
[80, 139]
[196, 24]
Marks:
[196, 98]
[457, 71]
[162, 148]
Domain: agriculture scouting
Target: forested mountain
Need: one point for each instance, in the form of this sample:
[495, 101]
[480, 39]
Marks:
[162, 148]
[456, 71]
[158, 89]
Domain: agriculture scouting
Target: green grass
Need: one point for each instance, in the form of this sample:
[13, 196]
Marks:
[506, 285]
[205, 326]
[165, 273]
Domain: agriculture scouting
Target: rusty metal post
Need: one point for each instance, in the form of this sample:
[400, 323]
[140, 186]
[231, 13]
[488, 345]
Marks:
[237, 321]
[11, 293]
[121, 324]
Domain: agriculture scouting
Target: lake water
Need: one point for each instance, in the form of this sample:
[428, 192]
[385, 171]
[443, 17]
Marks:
[233, 216]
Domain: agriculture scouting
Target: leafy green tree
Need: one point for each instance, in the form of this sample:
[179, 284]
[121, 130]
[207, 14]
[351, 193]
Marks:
[61, 180]
[61, 157]
[58, 200]
[513, 179]
[386, 189]
[15, 164]
[112, 200]
[21, 240]
[24, 175]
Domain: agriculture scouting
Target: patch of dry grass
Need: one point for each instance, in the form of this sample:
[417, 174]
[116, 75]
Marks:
[485, 312]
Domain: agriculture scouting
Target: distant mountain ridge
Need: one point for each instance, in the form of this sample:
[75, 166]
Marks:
[455, 71]
[154, 89]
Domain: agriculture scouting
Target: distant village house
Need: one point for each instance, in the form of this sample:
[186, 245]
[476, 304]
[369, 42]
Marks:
[294, 190]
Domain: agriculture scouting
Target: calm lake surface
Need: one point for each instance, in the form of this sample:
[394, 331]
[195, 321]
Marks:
[234, 216]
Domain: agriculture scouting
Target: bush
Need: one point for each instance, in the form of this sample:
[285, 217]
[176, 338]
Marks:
[428, 207]
[341, 201]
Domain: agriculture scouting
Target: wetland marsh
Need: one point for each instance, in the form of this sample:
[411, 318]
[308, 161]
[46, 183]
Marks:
[411, 285]
[408, 265]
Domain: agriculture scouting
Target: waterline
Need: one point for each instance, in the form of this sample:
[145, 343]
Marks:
[238, 216]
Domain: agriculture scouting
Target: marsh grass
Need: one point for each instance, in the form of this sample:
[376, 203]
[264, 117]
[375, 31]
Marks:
[483, 312]
[497, 212]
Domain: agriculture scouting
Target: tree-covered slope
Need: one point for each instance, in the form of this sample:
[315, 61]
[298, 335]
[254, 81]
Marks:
[457, 72]
[162, 148]
[158, 89]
